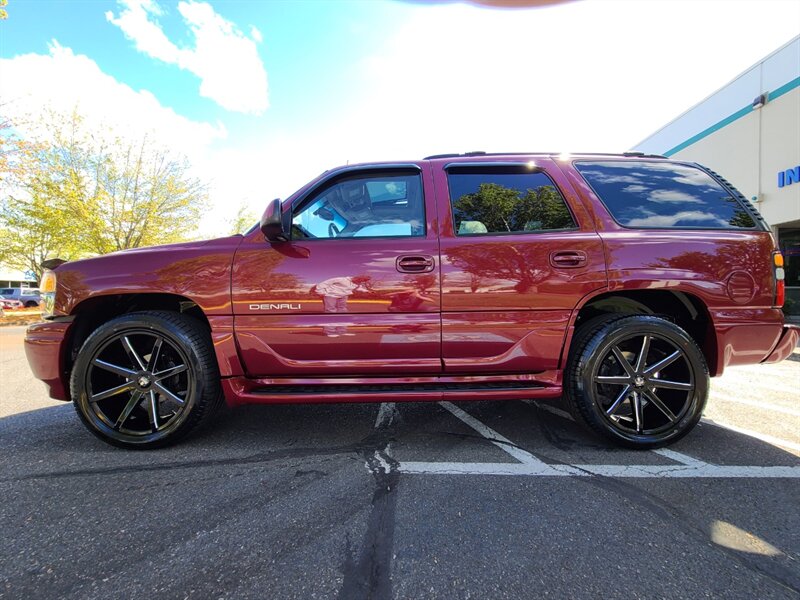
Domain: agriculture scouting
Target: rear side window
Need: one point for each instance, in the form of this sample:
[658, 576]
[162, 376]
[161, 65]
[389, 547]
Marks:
[505, 200]
[664, 195]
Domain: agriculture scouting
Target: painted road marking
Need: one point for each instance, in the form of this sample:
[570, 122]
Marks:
[748, 432]
[490, 434]
[762, 405]
[680, 457]
[635, 471]
[755, 434]
[530, 466]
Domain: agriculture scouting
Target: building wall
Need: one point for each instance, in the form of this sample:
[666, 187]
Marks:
[750, 152]
[749, 145]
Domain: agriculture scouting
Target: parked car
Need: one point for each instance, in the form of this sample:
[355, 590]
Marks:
[29, 297]
[9, 303]
[621, 282]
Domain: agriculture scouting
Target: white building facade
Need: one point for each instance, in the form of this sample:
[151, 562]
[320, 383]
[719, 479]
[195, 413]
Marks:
[749, 132]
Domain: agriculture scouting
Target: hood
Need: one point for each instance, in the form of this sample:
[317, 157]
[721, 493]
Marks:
[146, 251]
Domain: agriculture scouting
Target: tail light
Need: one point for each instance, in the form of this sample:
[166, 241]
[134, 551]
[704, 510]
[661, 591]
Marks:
[780, 276]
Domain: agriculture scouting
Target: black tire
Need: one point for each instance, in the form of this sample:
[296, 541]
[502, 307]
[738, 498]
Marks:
[132, 399]
[648, 402]
[31, 304]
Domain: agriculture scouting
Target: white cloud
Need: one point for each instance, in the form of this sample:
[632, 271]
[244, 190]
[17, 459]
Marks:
[63, 81]
[225, 59]
[583, 76]
[673, 196]
[672, 220]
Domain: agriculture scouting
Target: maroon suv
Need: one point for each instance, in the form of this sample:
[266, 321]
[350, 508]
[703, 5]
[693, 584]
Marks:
[620, 281]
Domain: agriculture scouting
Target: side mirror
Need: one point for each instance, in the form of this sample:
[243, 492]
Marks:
[272, 223]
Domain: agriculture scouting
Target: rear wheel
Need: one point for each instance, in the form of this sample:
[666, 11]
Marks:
[144, 380]
[640, 381]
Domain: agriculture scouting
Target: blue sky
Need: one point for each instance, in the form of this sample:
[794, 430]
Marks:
[262, 96]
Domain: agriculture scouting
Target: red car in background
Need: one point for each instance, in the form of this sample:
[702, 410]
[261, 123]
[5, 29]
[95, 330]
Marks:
[621, 282]
[8, 303]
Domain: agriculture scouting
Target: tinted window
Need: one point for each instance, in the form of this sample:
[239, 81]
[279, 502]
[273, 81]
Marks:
[657, 194]
[369, 206]
[490, 201]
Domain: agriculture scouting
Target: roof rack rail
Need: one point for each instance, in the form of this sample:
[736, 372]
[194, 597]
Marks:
[638, 154]
[632, 154]
[455, 155]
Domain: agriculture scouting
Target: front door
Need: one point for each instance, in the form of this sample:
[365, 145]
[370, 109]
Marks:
[356, 289]
[518, 253]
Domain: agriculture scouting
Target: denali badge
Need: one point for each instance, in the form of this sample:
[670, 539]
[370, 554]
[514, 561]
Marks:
[283, 306]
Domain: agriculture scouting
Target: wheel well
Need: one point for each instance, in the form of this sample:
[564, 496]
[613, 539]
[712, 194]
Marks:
[92, 313]
[683, 309]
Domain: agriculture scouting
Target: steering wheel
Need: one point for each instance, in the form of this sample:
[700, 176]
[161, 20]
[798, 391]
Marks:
[333, 230]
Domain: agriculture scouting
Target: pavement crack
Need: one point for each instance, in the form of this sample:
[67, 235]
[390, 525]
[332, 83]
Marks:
[369, 575]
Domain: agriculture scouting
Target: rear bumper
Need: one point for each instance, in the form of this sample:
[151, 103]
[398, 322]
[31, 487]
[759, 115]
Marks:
[44, 347]
[786, 344]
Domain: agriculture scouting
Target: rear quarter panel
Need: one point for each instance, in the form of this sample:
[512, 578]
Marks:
[729, 271]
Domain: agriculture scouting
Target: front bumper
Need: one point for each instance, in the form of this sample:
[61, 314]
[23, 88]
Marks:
[45, 348]
[786, 344]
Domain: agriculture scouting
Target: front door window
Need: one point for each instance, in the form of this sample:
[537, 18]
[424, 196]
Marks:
[375, 206]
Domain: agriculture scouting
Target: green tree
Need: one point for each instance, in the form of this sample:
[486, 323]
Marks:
[506, 209]
[244, 220]
[69, 193]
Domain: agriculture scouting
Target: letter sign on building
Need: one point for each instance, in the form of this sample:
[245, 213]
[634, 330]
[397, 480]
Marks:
[789, 176]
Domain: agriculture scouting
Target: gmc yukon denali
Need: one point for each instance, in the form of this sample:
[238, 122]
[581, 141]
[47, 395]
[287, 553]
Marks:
[620, 282]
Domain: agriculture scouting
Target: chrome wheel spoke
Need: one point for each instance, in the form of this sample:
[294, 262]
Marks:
[152, 411]
[613, 379]
[642, 359]
[125, 387]
[131, 352]
[636, 405]
[151, 362]
[136, 398]
[169, 372]
[657, 402]
[113, 368]
[623, 394]
[623, 361]
[663, 363]
[165, 392]
[671, 385]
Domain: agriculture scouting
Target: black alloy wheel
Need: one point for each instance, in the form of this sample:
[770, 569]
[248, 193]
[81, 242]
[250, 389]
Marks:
[640, 381]
[144, 380]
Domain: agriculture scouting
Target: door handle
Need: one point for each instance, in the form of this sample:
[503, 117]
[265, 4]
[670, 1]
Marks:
[568, 259]
[415, 264]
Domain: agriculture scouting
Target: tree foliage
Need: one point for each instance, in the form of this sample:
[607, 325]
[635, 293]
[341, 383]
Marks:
[243, 221]
[70, 192]
[504, 209]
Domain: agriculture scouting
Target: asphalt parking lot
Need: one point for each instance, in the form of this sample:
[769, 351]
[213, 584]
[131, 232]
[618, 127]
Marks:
[475, 500]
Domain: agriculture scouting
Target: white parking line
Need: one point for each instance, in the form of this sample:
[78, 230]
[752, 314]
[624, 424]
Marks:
[755, 434]
[707, 471]
[762, 405]
[531, 466]
[550, 408]
[490, 434]
[679, 457]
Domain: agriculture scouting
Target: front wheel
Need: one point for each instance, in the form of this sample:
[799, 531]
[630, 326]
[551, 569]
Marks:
[640, 381]
[144, 380]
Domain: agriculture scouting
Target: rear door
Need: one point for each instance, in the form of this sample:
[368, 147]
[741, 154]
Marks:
[355, 291]
[518, 253]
